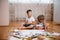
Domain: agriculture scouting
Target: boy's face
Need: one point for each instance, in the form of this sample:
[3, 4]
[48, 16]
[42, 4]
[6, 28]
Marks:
[29, 14]
[41, 20]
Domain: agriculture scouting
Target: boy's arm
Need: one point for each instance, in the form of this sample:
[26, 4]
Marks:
[33, 21]
[26, 21]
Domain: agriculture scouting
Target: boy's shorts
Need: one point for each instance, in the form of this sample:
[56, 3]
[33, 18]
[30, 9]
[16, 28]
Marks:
[27, 25]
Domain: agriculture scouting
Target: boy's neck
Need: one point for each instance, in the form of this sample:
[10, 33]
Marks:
[30, 17]
[41, 21]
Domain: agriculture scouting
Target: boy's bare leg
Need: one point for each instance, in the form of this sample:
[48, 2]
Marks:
[21, 26]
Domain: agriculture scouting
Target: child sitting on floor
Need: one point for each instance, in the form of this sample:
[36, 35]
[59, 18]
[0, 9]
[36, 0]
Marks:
[29, 20]
[41, 24]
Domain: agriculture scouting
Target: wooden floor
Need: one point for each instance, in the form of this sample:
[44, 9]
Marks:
[4, 30]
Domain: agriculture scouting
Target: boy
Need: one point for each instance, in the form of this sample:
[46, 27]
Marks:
[29, 20]
[41, 24]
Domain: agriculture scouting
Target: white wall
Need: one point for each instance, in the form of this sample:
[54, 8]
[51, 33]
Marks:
[37, 9]
[4, 13]
[57, 11]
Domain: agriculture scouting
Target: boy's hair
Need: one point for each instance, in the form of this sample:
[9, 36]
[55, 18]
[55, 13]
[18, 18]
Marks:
[28, 11]
[40, 17]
